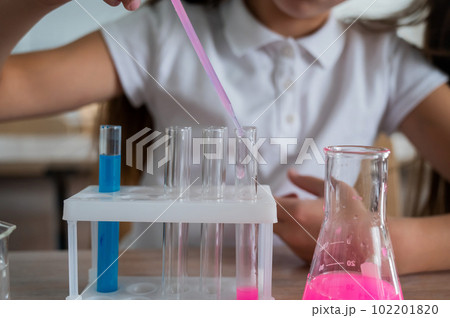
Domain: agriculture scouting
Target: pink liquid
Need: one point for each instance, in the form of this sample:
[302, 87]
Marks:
[247, 293]
[342, 286]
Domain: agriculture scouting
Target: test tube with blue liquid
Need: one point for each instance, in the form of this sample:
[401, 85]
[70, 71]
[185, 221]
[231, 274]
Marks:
[176, 187]
[246, 234]
[108, 232]
[213, 186]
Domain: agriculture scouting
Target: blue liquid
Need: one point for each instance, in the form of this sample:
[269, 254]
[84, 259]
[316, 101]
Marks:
[108, 232]
[109, 173]
[108, 251]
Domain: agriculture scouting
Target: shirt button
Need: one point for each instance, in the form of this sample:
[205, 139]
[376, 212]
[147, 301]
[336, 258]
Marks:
[290, 119]
[288, 51]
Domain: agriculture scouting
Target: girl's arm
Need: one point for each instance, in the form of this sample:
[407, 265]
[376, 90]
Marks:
[421, 244]
[56, 80]
[17, 17]
[428, 128]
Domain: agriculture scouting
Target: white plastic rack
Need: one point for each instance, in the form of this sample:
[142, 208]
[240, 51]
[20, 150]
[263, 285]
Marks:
[150, 204]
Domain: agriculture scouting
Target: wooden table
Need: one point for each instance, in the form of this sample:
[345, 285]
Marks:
[44, 275]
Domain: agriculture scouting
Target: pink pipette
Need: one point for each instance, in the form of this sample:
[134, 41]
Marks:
[205, 61]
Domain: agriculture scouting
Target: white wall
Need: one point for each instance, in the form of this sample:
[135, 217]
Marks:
[377, 7]
[380, 8]
[66, 24]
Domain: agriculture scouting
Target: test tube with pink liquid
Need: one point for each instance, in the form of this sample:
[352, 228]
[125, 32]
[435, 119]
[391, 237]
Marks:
[246, 234]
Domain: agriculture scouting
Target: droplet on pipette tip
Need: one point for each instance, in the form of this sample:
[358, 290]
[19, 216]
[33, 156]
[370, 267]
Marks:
[240, 171]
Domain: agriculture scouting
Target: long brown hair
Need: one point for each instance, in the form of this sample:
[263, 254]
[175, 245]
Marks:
[412, 14]
[437, 35]
[430, 192]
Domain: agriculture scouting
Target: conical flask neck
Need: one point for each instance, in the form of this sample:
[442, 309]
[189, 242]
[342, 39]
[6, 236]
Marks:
[356, 185]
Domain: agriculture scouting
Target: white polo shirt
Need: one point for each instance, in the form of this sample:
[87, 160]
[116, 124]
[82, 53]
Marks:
[362, 82]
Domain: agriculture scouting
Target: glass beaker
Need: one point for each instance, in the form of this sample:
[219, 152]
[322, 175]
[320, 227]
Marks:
[353, 258]
[5, 230]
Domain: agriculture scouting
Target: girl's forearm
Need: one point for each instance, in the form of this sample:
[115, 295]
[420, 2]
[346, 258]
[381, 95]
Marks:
[17, 17]
[421, 244]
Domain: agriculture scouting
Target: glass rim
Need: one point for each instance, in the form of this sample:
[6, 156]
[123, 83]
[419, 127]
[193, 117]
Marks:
[215, 128]
[249, 132]
[8, 229]
[365, 151]
[179, 128]
[110, 127]
[246, 128]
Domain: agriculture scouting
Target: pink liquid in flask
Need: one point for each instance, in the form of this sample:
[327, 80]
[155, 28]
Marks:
[247, 293]
[342, 286]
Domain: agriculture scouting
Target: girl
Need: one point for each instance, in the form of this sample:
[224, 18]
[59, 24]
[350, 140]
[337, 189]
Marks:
[418, 242]
[289, 67]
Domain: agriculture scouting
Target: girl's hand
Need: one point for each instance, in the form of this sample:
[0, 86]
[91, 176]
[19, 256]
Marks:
[299, 221]
[128, 4]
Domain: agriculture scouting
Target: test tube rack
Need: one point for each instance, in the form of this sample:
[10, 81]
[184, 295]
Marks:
[150, 204]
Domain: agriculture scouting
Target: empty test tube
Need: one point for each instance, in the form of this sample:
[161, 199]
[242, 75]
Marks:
[246, 168]
[246, 234]
[213, 185]
[175, 235]
[108, 232]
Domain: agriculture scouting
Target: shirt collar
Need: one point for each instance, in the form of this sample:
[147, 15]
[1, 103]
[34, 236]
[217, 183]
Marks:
[244, 34]
[326, 44]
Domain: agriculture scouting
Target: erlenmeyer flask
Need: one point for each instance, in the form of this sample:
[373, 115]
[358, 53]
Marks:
[353, 258]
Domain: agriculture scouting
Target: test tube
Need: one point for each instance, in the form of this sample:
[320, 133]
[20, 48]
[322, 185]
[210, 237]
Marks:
[108, 232]
[213, 185]
[246, 165]
[175, 235]
[246, 234]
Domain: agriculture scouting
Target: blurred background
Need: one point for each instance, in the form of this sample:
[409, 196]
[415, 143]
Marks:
[45, 160]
